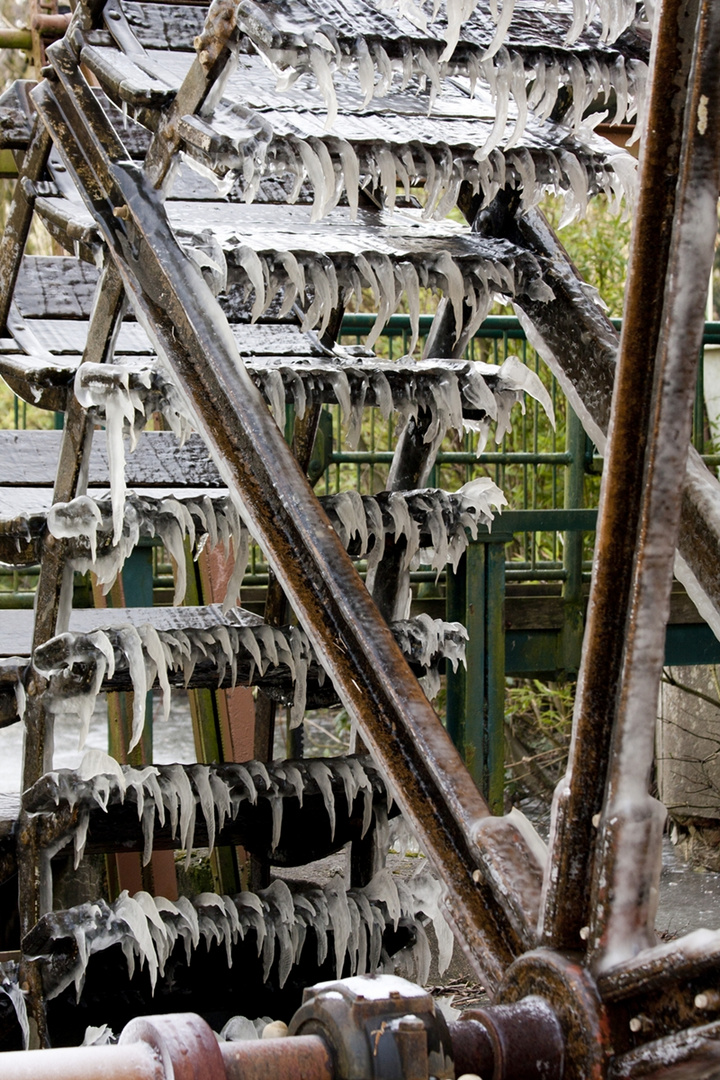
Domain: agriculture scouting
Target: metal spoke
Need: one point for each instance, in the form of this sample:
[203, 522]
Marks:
[579, 798]
[627, 863]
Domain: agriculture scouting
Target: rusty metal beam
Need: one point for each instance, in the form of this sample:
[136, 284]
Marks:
[622, 528]
[626, 873]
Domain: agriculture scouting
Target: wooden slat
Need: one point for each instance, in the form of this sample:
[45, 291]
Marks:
[29, 459]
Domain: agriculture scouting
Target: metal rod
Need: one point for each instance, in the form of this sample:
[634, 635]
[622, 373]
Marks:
[627, 863]
[580, 794]
[136, 1060]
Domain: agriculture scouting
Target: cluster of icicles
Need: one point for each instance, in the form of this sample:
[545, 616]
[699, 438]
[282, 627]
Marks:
[126, 398]
[448, 390]
[147, 654]
[348, 924]
[354, 380]
[177, 792]
[506, 71]
[319, 281]
[362, 523]
[201, 519]
[615, 17]
[333, 167]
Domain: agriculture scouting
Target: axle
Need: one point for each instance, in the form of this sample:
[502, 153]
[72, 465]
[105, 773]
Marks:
[362, 1028]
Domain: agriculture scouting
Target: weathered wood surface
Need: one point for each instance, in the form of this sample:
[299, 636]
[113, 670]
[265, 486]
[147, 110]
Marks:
[29, 459]
[456, 120]
[55, 287]
[67, 337]
[273, 229]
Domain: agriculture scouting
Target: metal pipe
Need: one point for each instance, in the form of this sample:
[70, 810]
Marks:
[626, 873]
[15, 39]
[134, 1061]
[302, 1057]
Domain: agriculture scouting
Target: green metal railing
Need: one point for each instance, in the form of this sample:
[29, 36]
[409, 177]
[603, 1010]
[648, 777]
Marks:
[540, 470]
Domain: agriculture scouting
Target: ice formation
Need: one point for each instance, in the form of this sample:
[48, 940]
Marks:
[457, 394]
[417, 516]
[203, 519]
[438, 168]
[124, 397]
[321, 281]
[502, 65]
[348, 924]
[9, 986]
[77, 664]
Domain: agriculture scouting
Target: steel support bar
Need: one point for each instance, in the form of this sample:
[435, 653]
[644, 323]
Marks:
[579, 344]
[580, 796]
[187, 326]
[626, 874]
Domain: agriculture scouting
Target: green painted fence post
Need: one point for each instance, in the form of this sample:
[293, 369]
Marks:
[573, 610]
[476, 696]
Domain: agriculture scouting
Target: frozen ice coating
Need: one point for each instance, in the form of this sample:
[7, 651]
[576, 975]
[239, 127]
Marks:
[150, 928]
[481, 44]
[10, 987]
[124, 397]
[143, 654]
[201, 519]
[179, 794]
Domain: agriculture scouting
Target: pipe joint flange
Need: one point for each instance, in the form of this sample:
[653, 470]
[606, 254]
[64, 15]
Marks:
[570, 995]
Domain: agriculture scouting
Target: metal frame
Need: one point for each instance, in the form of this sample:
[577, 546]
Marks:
[597, 965]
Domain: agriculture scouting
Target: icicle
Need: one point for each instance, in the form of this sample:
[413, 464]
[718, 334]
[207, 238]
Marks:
[186, 798]
[363, 784]
[154, 649]
[250, 908]
[388, 177]
[80, 517]
[322, 72]
[17, 997]
[503, 80]
[201, 779]
[249, 261]
[299, 647]
[96, 762]
[578, 21]
[520, 96]
[619, 80]
[323, 778]
[382, 889]
[127, 909]
[351, 173]
[501, 30]
[340, 922]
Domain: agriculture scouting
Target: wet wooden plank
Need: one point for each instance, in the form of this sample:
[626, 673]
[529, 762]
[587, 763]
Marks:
[29, 459]
[55, 287]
